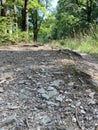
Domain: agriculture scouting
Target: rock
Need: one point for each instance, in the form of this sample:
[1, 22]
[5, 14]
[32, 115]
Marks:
[1, 90]
[71, 84]
[50, 88]
[57, 82]
[89, 118]
[1, 101]
[21, 122]
[81, 107]
[74, 119]
[96, 116]
[44, 96]
[8, 120]
[58, 73]
[50, 103]
[78, 103]
[29, 77]
[91, 94]
[92, 101]
[68, 100]
[94, 82]
[41, 91]
[61, 127]
[22, 82]
[2, 129]
[27, 68]
[22, 96]
[60, 98]
[72, 106]
[44, 119]
[13, 107]
[52, 93]
[82, 111]
[2, 81]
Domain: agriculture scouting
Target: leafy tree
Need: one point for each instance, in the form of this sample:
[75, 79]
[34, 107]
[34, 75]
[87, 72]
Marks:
[74, 16]
[37, 16]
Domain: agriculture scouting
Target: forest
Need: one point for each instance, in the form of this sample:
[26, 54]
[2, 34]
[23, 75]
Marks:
[48, 65]
[72, 23]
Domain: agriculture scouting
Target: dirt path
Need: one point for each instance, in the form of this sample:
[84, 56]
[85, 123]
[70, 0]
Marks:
[44, 88]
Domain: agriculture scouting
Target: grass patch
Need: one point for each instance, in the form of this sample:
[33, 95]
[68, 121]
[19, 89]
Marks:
[87, 44]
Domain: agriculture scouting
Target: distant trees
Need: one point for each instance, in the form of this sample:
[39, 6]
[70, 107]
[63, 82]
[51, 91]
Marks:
[21, 20]
[87, 8]
[24, 15]
[74, 17]
[37, 16]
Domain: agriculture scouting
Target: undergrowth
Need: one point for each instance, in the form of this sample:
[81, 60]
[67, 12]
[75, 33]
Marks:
[87, 44]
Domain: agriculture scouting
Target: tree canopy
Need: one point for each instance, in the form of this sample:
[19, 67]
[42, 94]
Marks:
[24, 20]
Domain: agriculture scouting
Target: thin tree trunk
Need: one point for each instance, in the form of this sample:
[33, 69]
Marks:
[35, 29]
[25, 16]
[15, 17]
[35, 35]
[4, 8]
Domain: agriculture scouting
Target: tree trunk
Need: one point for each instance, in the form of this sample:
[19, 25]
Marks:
[35, 35]
[35, 24]
[15, 17]
[89, 11]
[4, 8]
[25, 16]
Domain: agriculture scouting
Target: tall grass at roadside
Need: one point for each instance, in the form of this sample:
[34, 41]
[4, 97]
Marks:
[87, 44]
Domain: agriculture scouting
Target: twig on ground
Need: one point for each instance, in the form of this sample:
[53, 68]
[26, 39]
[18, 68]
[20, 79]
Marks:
[77, 120]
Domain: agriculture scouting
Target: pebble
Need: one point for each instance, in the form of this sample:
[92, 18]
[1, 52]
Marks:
[72, 106]
[50, 88]
[41, 91]
[68, 100]
[1, 90]
[89, 118]
[1, 101]
[74, 119]
[60, 98]
[57, 82]
[82, 111]
[45, 96]
[78, 104]
[22, 96]
[71, 84]
[8, 120]
[50, 103]
[61, 127]
[81, 107]
[22, 82]
[52, 93]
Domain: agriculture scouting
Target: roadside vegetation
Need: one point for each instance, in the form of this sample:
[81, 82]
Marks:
[86, 44]
[72, 24]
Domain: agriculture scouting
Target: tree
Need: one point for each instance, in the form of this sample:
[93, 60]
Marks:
[37, 16]
[74, 17]
[87, 8]
[3, 8]
[25, 16]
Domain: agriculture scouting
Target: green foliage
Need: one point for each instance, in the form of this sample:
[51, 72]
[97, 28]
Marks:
[71, 19]
[74, 16]
[87, 43]
[10, 35]
[45, 33]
